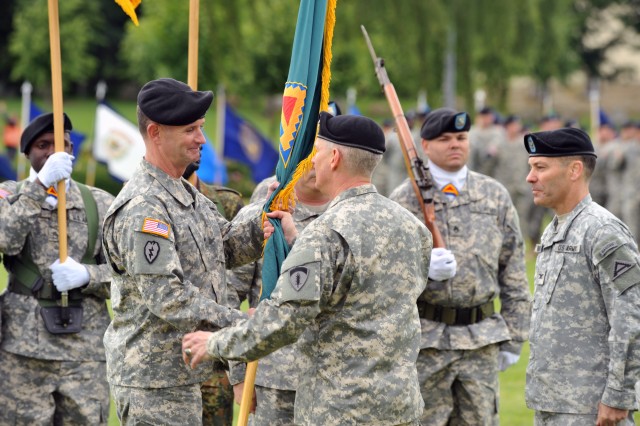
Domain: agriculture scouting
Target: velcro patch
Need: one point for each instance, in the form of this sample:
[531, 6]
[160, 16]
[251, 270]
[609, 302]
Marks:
[620, 267]
[3, 193]
[156, 227]
[604, 251]
[298, 277]
[151, 251]
[566, 248]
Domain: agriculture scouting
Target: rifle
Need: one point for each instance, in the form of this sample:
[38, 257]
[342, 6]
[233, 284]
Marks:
[421, 178]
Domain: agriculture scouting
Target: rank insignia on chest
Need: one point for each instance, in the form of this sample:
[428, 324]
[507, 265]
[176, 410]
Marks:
[449, 189]
[151, 251]
[298, 277]
[156, 227]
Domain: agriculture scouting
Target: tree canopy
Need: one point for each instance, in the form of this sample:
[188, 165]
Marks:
[246, 45]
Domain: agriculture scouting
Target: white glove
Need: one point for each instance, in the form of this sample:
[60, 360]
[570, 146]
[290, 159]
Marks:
[443, 264]
[57, 167]
[68, 275]
[506, 359]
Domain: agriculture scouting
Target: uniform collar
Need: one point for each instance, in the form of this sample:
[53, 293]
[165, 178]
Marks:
[353, 192]
[561, 233]
[184, 194]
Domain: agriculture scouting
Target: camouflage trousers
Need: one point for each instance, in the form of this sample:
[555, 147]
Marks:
[545, 418]
[177, 406]
[273, 407]
[41, 392]
[217, 400]
[459, 387]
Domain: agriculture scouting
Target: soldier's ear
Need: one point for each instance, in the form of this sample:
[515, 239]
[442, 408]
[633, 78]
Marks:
[576, 169]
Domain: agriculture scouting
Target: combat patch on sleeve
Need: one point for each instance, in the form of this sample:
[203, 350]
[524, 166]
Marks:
[152, 254]
[300, 278]
[621, 267]
[156, 227]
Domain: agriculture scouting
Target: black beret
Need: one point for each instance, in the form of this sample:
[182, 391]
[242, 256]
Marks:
[39, 125]
[171, 102]
[355, 131]
[444, 120]
[564, 142]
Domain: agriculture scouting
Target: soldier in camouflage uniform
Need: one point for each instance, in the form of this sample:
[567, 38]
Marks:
[464, 340]
[217, 393]
[585, 351]
[362, 334]
[277, 376]
[485, 140]
[168, 247]
[52, 378]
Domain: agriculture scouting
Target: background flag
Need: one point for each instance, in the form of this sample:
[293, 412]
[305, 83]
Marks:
[6, 169]
[76, 137]
[306, 93]
[242, 142]
[117, 143]
[212, 169]
[129, 7]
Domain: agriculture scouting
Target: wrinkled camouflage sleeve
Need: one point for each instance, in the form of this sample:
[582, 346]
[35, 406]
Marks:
[243, 238]
[279, 321]
[100, 273]
[243, 281]
[161, 284]
[514, 290]
[17, 214]
[616, 263]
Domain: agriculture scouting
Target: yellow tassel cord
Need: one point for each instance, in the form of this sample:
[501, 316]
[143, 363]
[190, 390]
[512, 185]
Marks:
[285, 200]
[129, 7]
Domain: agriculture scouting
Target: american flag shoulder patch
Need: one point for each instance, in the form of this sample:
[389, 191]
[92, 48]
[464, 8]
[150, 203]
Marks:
[4, 194]
[156, 227]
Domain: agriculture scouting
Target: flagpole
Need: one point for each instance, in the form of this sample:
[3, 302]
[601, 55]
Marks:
[58, 131]
[218, 143]
[194, 15]
[192, 61]
[26, 89]
[90, 178]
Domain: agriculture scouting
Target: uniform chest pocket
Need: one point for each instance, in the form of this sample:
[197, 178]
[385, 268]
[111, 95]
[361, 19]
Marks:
[551, 278]
[211, 256]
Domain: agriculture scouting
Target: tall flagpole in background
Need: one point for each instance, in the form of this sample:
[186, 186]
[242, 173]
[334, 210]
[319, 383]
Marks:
[194, 16]
[90, 178]
[26, 89]
[58, 132]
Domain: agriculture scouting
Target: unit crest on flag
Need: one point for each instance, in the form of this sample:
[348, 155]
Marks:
[292, 112]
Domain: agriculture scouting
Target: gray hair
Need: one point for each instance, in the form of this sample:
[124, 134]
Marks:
[357, 161]
[143, 122]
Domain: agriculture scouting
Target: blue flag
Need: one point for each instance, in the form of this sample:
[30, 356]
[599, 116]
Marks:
[306, 93]
[211, 170]
[76, 137]
[243, 143]
[6, 169]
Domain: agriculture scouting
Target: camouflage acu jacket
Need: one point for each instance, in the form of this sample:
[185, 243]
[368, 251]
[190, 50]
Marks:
[167, 247]
[351, 280]
[585, 326]
[28, 222]
[480, 226]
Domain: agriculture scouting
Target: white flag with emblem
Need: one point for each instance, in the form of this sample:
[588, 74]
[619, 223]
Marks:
[117, 143]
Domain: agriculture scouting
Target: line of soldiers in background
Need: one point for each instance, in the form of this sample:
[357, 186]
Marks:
[496, 151]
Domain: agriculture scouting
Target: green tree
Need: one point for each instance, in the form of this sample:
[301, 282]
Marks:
[29, 43]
